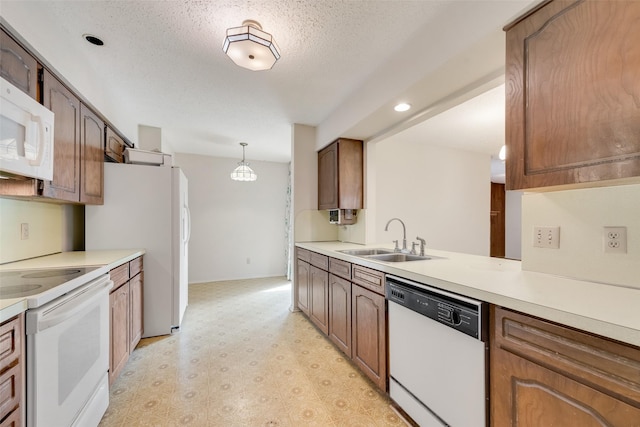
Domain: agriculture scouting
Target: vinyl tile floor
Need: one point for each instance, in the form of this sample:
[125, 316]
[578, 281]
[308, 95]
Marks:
[242, 358]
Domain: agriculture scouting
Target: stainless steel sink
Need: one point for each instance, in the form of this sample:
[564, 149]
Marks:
[367, 252]
[397, 257]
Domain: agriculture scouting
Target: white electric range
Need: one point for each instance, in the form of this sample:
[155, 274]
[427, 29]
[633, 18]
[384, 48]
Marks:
[67, 342]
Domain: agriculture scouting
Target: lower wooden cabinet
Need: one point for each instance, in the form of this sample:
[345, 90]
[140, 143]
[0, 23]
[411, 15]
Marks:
[125, 322]
[545, 374]
[302, 284]
[369, 337]
[340, 313]
[319, 298]
[136, 310]
[11, 369]
[119, 324]
[352, 316]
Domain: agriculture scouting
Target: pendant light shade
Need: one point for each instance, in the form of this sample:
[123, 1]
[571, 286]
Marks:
[503, 153]
[243, 172]
[250, 47]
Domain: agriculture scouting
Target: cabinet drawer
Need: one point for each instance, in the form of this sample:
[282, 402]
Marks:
[10, 342]
[135, 267]
[368, 278]
[303, 254]
[586, 358]
[119, 275]
[10, 390]
[340, 268]
[320, 261]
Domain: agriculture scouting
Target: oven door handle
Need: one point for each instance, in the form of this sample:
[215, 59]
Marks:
[70, 305]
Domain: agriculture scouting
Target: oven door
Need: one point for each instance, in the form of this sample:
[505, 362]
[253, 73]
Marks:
[68, 357]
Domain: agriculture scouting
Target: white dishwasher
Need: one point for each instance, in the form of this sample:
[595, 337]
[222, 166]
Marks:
[438, 355]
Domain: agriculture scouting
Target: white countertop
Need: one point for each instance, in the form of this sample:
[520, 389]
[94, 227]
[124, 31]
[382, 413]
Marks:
[107, 259]
[602, 309]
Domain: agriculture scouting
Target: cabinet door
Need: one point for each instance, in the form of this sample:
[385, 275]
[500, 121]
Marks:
[328, 177]
[340, 175]
[66, 154]
[17, 66]
[119, 331]
[340, 313]
[135, 310]
[319, 298]
[91, 158]
[543, 374]
[369, 339]
[302, 283]
[114, 146]
[572, 94]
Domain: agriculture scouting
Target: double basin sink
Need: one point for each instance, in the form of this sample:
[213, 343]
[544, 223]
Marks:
[385, 255]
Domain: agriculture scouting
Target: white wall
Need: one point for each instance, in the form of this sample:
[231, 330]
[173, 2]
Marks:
[310, 224]
[442, 195]
[581, 215]
[513, 225]
[238, 228]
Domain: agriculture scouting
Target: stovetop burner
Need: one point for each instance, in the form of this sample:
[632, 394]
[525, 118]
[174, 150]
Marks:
[50, 273]
[25, 283]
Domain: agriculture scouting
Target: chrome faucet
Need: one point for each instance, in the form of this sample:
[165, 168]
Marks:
[422, 244]
[404, 234]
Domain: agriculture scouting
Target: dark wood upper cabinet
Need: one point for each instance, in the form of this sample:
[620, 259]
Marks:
[91, 158]
[78, 155]
[114, 146]
[340, 176]
[66, 154]
[573, 94]
[17, 66]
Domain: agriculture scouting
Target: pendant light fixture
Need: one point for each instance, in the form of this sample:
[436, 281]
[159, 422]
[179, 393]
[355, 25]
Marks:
[250, 47]
[243, 172]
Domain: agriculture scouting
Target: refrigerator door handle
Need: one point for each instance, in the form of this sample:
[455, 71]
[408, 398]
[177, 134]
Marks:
[188, 221]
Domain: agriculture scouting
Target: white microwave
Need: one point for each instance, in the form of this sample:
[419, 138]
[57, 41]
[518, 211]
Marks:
[26, 135]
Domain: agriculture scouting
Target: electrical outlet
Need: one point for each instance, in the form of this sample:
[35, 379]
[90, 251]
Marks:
[546, 237]
[248, 260]
[614, 240]
[24, 231]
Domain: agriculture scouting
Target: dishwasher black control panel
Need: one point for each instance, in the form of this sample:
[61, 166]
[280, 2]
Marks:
[456, 311]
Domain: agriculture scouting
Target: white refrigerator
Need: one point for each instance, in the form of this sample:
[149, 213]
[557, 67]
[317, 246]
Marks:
[146, 207]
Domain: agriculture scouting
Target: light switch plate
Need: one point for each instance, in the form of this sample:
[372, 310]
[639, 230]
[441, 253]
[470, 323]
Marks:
[546, 237]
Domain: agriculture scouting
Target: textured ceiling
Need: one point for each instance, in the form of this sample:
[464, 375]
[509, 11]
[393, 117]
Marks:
[162, 64]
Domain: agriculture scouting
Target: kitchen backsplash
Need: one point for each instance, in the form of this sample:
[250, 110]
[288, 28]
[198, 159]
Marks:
[312, 225]
[45, 229]
[581, 215]
[355, 233]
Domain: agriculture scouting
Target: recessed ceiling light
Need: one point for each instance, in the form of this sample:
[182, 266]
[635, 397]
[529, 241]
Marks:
[93, 39]
[402, 107]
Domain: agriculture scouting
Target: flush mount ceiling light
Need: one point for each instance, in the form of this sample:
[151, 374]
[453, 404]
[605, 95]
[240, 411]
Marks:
[243, 172]
[403, 106]
[250, 47]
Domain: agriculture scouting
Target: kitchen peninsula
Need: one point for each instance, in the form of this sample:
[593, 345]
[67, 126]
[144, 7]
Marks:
[549, 342]
[602, 309]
